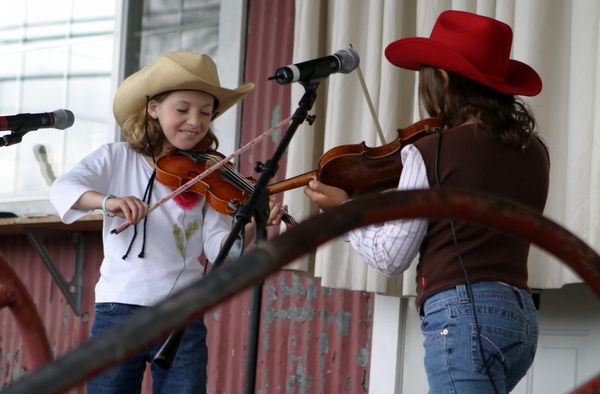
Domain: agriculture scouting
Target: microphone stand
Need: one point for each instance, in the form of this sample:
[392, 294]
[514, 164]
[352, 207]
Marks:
[256, 205]
[14, 137]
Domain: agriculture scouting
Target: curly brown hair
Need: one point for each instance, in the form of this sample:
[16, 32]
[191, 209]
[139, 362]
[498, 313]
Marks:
[152, 143]
[504, 116]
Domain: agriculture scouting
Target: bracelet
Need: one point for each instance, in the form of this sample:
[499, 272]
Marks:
[104, 200]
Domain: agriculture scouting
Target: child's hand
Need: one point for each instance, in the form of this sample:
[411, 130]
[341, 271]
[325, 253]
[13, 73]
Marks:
[325, 196]
[275, 212]
[131, 208]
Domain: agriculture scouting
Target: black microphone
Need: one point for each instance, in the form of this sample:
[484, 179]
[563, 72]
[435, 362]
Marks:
[343, 61]
[21, 124]
[59, 119]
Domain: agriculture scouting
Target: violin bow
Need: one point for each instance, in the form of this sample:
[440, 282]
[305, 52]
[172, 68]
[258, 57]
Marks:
[361, 78]
[205, 173]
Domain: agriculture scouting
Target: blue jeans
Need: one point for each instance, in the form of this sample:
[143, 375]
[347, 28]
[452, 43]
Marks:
[508, 325]
[186, 375]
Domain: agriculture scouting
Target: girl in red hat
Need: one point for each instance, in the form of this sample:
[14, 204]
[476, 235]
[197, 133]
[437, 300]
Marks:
[478, 316]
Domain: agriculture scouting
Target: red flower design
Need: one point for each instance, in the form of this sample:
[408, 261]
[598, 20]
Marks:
[187, 200]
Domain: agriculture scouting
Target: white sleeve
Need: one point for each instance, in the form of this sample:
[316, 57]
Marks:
[88, 174]
[216, 228]
[392, 246]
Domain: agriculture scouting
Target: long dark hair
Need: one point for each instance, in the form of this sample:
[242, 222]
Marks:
[497, 114]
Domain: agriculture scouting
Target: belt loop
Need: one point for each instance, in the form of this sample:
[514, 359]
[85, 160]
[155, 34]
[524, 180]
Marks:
[519, 294]
[461, 294]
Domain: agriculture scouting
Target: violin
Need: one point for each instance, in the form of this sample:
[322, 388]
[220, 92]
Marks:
[224, 189]
[356, 168]
[359, 169]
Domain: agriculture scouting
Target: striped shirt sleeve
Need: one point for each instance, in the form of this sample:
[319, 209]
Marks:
[391, 247]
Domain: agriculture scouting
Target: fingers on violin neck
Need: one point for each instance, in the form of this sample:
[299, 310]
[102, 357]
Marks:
[211, 161]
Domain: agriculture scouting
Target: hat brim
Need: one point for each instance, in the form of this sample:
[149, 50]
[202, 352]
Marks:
[412, 53]
[167, 75]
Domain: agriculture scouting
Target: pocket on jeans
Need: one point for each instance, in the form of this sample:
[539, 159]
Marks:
[435, 321]
[499, 345]
[105, 308]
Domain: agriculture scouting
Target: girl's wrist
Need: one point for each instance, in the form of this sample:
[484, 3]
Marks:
[105, 211]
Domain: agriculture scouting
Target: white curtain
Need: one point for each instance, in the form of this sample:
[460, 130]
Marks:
[560, 39]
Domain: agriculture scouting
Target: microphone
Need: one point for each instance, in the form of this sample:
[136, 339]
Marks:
[21, 124]
[343, 61]
[59, 119]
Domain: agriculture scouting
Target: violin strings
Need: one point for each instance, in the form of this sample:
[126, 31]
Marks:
[230, 174]
[241, 181]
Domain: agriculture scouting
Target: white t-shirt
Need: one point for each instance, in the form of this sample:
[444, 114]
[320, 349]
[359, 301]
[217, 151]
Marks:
[175, 237]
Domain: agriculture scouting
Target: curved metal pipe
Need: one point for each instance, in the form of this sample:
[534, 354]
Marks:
[148, 326]
[14, 295]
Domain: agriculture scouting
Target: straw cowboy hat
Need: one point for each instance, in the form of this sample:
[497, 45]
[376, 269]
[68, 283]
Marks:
[175, 71]
[474, 46]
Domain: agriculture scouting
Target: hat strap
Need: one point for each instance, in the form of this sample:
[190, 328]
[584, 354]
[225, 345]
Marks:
[146, 135]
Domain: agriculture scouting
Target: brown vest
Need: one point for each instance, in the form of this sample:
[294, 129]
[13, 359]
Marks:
[471, 161]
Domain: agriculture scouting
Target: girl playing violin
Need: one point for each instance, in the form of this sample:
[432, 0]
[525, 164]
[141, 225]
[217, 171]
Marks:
[478, 317]
[169, 103]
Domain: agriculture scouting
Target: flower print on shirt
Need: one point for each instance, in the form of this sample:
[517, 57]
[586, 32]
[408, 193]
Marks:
[181, 237]
[187, 200]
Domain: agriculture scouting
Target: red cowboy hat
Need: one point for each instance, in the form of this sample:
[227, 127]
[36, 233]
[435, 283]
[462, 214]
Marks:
[474, 46]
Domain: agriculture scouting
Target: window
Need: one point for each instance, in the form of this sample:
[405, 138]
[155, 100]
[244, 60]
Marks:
[54, 55]
[65, 54]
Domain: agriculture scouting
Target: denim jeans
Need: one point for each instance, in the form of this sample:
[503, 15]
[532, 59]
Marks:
[507, 323]
[186, 375]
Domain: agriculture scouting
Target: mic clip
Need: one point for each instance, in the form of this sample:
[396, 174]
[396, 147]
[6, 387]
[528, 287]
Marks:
[14, 137]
